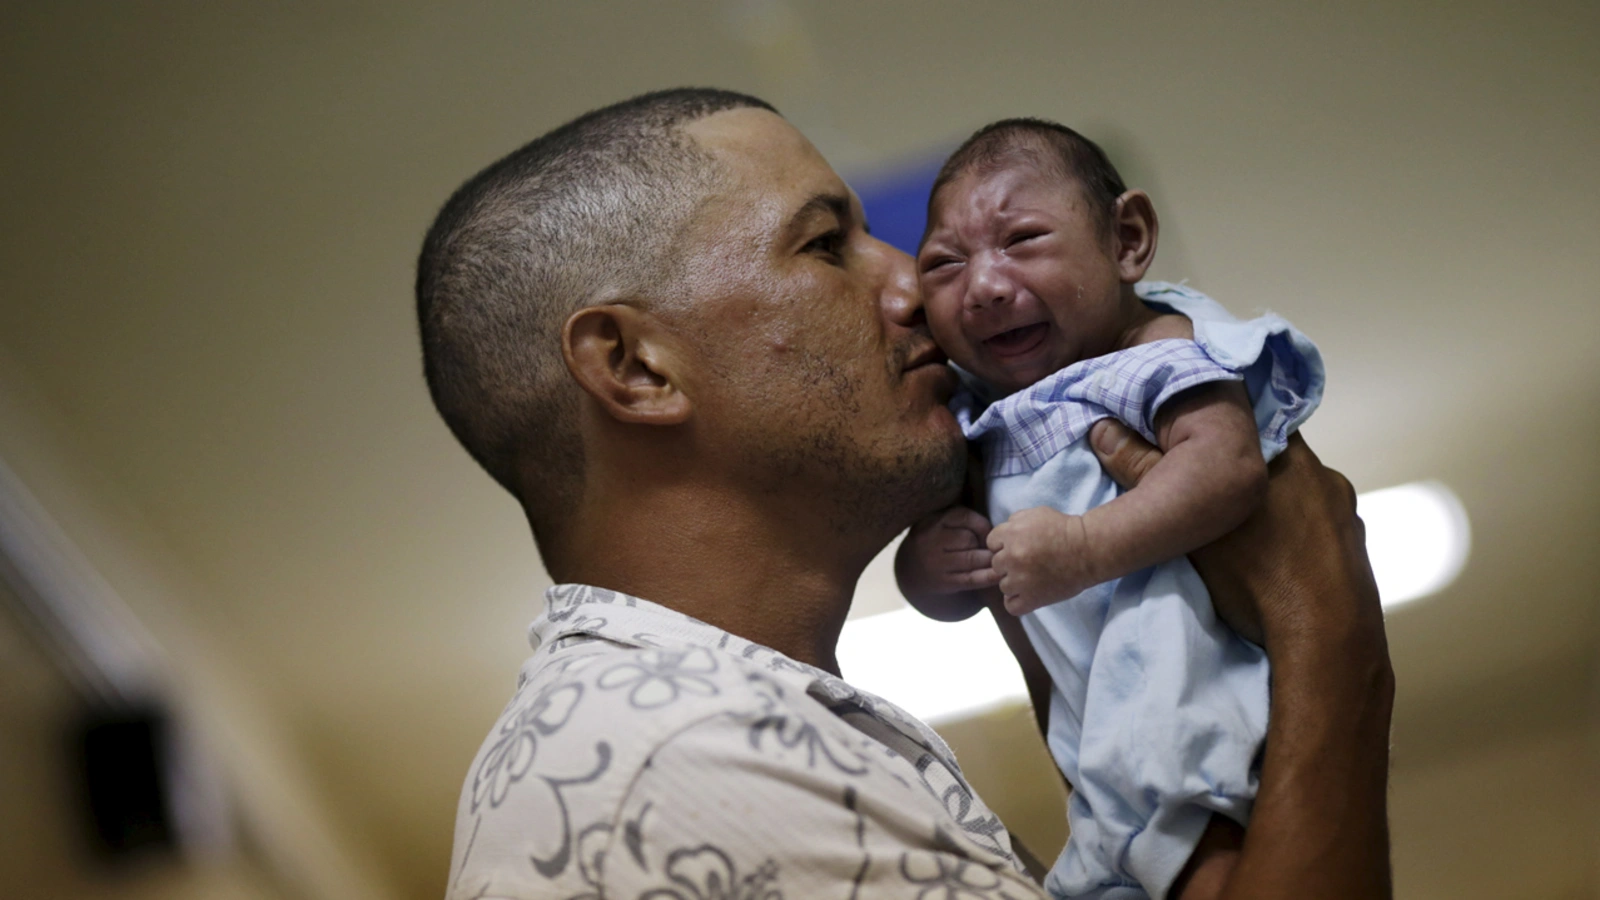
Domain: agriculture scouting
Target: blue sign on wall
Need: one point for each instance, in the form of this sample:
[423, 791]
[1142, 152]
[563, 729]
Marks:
[896, 202]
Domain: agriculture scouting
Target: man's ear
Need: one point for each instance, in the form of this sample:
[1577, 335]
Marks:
[1133, 235]
[623, 359]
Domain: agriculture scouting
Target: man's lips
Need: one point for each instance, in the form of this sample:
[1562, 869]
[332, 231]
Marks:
[1017, 341]
[927, 355]
[929, 361]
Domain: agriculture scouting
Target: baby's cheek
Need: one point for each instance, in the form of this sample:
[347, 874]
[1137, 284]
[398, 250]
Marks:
[944, 321]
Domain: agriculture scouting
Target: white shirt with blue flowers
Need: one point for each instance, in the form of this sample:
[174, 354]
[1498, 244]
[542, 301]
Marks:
[647, 754]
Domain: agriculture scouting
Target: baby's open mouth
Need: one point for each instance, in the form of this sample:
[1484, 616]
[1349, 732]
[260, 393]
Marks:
[1017, 341]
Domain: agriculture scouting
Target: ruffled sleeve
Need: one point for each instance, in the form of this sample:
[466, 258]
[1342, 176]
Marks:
[1282, 369]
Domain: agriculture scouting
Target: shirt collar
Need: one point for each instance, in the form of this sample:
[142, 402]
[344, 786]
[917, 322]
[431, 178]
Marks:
[574, 610]
[581, 609]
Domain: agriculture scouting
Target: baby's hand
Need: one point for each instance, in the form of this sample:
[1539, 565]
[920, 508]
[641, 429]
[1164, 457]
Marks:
[1042, 556]
[944, 554]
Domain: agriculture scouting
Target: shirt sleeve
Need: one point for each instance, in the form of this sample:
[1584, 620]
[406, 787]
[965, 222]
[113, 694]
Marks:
[779, 808]
[1134, 384]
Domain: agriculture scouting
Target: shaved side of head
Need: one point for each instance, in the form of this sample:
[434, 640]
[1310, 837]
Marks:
[585, 214]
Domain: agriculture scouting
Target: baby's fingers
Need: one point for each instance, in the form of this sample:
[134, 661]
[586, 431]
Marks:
[1020, 604]
[996, 540]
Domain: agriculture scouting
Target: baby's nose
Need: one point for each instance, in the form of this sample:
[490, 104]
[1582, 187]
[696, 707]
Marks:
[987, 285]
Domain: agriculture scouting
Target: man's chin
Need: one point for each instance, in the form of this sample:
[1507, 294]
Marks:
[946, 473]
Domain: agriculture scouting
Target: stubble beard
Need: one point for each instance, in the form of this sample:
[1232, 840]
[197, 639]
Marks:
[877, 486]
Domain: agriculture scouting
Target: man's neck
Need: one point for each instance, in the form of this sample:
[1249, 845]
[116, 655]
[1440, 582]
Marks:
[720, 558]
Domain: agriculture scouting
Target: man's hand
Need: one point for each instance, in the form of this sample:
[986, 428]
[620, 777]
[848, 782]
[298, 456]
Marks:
[1272, 577]
[1042, 557]
[943, 564]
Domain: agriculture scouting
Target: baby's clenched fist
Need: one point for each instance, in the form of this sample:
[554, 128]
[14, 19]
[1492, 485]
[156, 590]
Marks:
[1042, 557]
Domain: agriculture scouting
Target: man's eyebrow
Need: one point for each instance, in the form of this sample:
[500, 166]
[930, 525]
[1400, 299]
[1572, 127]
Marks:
[821, 204]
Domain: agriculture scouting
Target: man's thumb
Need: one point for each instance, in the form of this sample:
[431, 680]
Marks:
[1125, 455]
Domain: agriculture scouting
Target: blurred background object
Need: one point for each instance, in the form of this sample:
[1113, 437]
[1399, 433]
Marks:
[211, 408]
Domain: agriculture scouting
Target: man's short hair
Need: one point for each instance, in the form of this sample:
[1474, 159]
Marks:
[585, 213]
[1053, 147]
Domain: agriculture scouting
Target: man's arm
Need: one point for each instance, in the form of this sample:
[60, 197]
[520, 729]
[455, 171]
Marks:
[1295, 578]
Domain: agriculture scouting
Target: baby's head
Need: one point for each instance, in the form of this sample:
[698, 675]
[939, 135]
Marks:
[1032, 248]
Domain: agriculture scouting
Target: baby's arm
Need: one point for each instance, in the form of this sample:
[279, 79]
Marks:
[1210, 479]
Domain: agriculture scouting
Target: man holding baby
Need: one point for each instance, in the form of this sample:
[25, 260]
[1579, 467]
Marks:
[665, 329]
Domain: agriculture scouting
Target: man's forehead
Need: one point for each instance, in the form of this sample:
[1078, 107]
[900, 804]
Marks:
[762, 150]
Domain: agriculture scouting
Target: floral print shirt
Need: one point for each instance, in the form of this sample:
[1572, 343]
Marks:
[647, 754]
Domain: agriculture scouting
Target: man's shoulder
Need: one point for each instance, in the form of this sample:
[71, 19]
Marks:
[591, 698]
[654, 689]
[669, 683]
[588, 718]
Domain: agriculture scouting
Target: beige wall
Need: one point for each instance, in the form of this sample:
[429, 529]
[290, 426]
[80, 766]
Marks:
[45, 853]
[287, 841]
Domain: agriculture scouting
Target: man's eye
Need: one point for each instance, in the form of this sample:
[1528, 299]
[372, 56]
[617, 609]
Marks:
[829, 244]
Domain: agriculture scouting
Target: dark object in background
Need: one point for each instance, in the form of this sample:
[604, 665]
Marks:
[125, 769]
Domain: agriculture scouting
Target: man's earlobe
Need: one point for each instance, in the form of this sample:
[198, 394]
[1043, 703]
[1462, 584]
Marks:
[622, 358]
[1134, 230]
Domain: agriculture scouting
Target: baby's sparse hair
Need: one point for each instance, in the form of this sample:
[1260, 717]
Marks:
[1050, 146]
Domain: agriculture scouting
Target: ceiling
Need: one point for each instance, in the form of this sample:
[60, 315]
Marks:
[212, 214]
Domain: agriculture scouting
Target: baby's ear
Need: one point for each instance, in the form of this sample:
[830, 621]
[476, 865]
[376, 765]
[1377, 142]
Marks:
[1134, 230]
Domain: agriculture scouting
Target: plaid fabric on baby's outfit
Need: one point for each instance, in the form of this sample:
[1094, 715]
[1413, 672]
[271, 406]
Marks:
[1020, 432]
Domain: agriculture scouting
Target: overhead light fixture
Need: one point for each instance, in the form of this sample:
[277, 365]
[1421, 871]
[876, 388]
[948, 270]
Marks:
[1418, 537]
[934, 670]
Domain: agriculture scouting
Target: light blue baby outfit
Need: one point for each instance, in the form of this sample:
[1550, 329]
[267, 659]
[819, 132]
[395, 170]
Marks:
[1158, 710]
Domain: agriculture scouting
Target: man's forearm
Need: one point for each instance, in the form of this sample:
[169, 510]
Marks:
[1319, 828]
[1295, 577]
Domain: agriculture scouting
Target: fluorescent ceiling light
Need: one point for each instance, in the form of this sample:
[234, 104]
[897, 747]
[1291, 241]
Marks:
[1417, 538]
[935, 670]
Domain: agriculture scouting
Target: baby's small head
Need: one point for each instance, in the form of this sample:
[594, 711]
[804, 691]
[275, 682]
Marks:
[1032, 247]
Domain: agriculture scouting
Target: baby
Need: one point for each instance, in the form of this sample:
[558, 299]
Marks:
[1031, 268]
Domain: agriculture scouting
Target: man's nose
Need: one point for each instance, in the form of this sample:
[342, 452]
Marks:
[988, 284]
[902, 294]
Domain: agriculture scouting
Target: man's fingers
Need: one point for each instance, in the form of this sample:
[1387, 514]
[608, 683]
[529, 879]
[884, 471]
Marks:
[957, 561]
[1124, 455]
[958, 540]
[960, 518]
[976, 579]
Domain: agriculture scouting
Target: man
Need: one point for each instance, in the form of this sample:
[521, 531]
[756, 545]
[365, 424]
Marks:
[665, 329]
